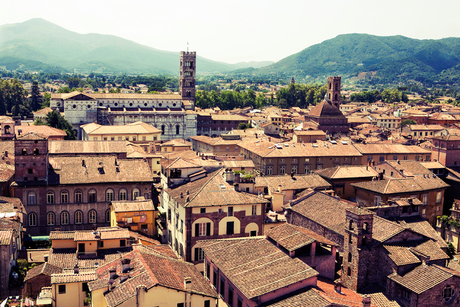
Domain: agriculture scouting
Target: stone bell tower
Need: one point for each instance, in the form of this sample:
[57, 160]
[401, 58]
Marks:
[187, 76]
[333, 90]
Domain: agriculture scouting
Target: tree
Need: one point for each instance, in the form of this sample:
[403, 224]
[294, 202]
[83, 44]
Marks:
[35, 96]
[243, 126]
[56, 120]
[408, 122]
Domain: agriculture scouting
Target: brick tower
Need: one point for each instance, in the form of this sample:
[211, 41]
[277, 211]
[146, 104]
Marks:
[333, 90]
[357, 238]
[187, 75]
[31, 159]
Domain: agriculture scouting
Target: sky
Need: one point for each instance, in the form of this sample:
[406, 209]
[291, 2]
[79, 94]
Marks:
[240, 31]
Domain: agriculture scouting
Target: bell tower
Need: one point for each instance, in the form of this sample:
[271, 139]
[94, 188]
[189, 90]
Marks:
[333, 90]
[357, 238]
[187, 76]
[31, 159]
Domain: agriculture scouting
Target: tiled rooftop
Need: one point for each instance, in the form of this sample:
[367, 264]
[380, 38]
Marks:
[256, 266]
[298, 182]
[44, 268]
[134, 205]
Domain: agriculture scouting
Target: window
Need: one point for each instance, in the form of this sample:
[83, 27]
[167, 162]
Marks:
[61, 289]
[406, 294]
[64, 197]
[349, 257]
[282, 170]
[207, 303]
[180, 304]
[78, 196]
[32, 219]
[202, 210]
[253, 233]
[294, 169]
[78, 217]
[307, 169]
[202, 229]
[425, 199]
[64, 218]
[122, 194]
[447, 293]
[50, 218]
[92, 216]
[92, 196]
[269, 170]
[199, 254]
[395, 157]
[122, 243]
[230, 297]
[254, 209]
[181, 226]
[109, 195]
[32, 198]
[50, 197]
[230, 228]
[177, 129]
[222, 287]
[349, 271]
[405, 157]
[438, 197]
[230, 211]
[136, 193]
[214, 279]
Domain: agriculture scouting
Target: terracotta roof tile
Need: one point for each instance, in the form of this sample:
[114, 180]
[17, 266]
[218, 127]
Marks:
[255, 266]
[342, 172]
[134, 205]
[87, 147]
[298, 182]
[44, 268]
[6, 236]
[293, 237]
[422, 278]
[323, 109]
[402, 185]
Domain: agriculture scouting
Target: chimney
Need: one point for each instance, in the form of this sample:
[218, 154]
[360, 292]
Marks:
[83, 163]
[181, 195]
[112, 274]
[188, 283]
[229, 176]
[338, 288]
[366, 301]
[76, 269]
[125, 265]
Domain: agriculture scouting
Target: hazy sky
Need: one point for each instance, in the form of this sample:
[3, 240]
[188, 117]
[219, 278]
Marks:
[236, 30]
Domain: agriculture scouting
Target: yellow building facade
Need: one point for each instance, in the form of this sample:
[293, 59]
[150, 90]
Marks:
[137, 215]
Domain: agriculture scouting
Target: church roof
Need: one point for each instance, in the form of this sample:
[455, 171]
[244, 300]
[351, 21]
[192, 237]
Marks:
[325, 108]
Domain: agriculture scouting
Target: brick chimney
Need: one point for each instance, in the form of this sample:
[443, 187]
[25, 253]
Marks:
[366, 301]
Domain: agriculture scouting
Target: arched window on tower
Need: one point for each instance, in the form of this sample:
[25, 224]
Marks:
[177, 129]
[24, 152]
[336, 97]
[330, 85]
[336, 86]
[349, 257]
[36, 152]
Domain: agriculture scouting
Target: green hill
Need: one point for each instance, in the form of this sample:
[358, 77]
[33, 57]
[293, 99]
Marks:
[41, 45]
[388, 59]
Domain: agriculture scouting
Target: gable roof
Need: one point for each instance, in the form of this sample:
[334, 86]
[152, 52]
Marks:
[256, 266]
[423, 277]
[345, 172]
[148, 269]
[44, 268]
[211, 190]
[293, 237]
[402, 185]
[298, 182]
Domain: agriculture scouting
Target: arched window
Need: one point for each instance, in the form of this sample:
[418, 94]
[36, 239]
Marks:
[32, 219]
[32, 198]
[24, 152]
[336, 97]
[136, 193]
[92, 216]
[349, 272]
[92, 196]
[122, 195]
[64, 218]
[78, 196]
[36, 152]
[109, 195]
[78, 217]
[177, 129]
[107, 215]
[50, 218]
[349, 257]
[50, 197]
[64, 197]
[448, 293]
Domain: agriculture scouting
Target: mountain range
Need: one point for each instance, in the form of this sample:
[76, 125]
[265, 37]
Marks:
[37, 44]
[379, 59]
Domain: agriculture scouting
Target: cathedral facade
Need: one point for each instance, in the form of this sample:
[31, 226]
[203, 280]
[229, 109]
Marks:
[173, 114]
